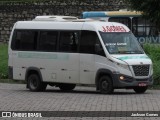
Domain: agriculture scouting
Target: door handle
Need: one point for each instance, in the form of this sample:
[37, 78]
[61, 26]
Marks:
[64, 69]
[86, 70]
[41, 68]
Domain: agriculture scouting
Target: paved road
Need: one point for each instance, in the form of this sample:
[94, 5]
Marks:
[15, 97]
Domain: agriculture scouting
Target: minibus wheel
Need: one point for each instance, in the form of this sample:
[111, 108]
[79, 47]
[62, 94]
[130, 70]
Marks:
[35, 84]
[67, 86]
[140, 89]
[106, 85]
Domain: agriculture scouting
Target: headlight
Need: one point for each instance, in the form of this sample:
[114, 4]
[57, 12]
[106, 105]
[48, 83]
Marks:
[123, 66]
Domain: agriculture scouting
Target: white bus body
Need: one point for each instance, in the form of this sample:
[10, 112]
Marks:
[63, 54]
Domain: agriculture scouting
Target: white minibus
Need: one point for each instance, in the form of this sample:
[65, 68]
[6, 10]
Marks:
[78, 52]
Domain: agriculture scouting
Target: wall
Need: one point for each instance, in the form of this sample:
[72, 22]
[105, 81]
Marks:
[10, 12]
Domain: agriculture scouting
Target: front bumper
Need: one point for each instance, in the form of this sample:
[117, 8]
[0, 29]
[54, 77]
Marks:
[130, 82]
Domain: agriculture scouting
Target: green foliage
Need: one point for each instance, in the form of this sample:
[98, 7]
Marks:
[153, 51]
[12, 81]
[149, 8]
[3, 61]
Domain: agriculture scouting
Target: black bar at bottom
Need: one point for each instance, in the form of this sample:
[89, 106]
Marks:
[22, 114]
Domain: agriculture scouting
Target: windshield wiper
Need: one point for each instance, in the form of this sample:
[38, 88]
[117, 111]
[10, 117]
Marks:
[127, 52]
[130, 52]
[138, 52]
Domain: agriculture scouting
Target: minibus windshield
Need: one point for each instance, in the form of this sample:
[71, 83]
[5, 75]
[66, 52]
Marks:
[121, 43]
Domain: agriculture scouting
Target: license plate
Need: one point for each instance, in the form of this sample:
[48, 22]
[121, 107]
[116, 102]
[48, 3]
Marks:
[142, 84]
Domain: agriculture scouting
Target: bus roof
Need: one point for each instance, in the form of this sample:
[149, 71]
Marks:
[89, 25]
[93, 14]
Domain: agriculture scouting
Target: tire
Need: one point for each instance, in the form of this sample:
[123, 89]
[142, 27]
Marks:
[67, 87]
[35, 84]
[106, 85]
[140, 90]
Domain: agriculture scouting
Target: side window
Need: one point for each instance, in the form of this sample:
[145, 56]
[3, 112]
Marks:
[68, 41]
[89, 42]
[48, 41]
[24, 40]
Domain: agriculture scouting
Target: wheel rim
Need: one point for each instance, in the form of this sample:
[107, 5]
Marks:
[33, 83]
[105, 85]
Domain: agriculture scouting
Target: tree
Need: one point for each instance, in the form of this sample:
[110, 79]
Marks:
[150, 9]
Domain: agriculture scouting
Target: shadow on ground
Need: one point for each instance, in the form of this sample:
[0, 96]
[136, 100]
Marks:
[90, 92]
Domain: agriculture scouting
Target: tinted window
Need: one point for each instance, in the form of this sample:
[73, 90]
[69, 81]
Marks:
[24, 40]
[88, 42]
[69, 41]
[48, 41]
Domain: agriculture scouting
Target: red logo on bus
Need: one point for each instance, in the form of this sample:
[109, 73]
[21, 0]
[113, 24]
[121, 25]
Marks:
[113, 29]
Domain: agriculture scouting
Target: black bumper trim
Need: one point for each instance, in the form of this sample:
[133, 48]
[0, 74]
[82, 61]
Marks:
[129, 81]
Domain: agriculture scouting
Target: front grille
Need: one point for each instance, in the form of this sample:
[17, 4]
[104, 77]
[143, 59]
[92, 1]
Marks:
[141, 70]
[141, 79]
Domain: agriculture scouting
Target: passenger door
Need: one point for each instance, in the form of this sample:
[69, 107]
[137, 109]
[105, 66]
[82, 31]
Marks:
[87, 57]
